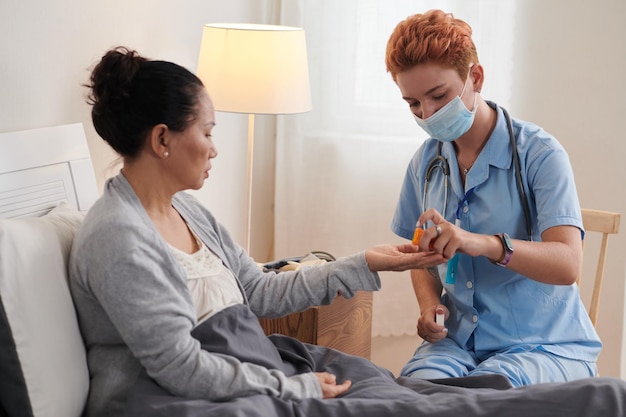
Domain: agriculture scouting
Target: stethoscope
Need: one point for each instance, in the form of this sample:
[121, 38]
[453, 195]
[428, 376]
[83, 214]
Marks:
[441, 163]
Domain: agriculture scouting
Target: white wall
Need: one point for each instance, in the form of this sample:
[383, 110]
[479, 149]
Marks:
[49, 46]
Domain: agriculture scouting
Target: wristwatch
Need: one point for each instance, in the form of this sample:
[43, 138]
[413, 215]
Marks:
[507, 245]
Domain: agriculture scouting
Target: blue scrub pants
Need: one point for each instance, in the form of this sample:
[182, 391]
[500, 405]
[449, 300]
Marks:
[446, 359]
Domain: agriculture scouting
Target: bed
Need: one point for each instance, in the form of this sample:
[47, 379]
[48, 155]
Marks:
[46, 182]
[46, 186]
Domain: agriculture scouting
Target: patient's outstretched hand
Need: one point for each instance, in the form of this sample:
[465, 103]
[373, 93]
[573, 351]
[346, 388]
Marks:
[400, 258]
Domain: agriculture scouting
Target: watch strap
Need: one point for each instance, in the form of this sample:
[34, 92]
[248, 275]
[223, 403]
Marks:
[508, 249]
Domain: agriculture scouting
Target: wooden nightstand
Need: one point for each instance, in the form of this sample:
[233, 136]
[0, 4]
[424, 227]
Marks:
[344, 325]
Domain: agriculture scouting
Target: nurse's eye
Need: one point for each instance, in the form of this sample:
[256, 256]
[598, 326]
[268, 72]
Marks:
[439, 96]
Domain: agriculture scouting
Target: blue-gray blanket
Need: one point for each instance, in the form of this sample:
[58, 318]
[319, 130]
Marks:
[375, 391]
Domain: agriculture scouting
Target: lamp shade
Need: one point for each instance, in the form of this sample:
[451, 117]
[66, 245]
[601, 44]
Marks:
[256, 69]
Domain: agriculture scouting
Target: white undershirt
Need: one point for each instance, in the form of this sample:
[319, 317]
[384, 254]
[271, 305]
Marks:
[212, 286]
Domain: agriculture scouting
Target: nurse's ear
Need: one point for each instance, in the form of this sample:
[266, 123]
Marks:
[477, 77]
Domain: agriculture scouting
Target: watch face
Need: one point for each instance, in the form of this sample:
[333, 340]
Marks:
[507, 242]
[507, 245]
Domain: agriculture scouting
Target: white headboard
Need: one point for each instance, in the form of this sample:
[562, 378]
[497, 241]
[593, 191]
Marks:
[41, 167]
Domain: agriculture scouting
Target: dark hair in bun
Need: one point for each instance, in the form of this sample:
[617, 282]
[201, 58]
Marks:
[131, 94]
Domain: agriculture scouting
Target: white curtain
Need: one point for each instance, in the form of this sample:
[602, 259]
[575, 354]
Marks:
[339, 167]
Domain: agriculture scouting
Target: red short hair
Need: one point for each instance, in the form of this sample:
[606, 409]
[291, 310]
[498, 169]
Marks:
[434, 36]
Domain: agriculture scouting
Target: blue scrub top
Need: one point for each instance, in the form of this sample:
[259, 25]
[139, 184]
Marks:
[493, 308]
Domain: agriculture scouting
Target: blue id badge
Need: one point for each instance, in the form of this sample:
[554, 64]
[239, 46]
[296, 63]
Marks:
[452, 267]
[454, 262]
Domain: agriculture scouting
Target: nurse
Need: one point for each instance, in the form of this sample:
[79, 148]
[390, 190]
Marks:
[508, 291]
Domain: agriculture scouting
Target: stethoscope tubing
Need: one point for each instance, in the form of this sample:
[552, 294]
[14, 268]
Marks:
[440, 162]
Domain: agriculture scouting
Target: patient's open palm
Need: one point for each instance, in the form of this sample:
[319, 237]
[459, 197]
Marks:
[400, 258]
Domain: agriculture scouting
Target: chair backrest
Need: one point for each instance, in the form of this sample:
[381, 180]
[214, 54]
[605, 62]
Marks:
[606, 223]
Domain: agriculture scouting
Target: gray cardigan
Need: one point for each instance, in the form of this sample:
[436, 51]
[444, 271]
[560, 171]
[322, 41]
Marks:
[135, 310]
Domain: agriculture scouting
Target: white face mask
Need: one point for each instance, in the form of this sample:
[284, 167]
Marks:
[451, 121]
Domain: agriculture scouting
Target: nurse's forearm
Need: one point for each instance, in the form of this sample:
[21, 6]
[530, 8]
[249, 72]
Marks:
[556, 260]
[427, 288]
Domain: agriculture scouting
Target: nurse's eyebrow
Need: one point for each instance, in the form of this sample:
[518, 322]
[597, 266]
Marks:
[435, 88]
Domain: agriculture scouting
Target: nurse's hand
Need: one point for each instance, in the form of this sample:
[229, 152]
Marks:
[400, 258]
[427, 327]
[446, 238]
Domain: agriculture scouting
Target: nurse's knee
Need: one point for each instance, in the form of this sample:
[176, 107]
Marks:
[433, 366]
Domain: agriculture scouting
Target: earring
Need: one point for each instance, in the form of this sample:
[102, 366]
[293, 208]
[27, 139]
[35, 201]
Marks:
[166, 154]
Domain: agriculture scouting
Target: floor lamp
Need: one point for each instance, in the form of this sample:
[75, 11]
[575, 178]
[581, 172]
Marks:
[255, 69]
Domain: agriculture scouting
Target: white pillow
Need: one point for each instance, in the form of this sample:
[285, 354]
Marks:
[37, 315]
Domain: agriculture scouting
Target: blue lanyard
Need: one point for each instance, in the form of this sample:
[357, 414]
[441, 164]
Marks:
[454, 262]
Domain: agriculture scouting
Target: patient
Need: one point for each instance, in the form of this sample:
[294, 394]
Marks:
[167, 301]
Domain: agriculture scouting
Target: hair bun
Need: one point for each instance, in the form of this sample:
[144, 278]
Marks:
[111, 80]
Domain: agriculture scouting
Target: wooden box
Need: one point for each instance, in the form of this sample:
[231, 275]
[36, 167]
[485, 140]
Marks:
[345, 325]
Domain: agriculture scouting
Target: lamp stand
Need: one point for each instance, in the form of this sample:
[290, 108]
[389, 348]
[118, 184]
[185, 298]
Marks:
[249, 190]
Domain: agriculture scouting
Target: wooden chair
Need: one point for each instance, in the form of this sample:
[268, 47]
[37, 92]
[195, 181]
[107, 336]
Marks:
[606, 223]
